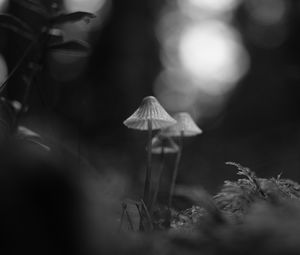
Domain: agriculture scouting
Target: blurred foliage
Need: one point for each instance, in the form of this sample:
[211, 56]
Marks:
[260, 216]
[46, 38]
[249, 216]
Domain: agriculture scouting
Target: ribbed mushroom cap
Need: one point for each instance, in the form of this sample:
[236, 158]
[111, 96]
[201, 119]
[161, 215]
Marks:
[163, 144]
[184, 123]
[150, 109]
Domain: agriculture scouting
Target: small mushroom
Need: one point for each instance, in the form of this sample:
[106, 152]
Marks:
[149, 116]
[184, 127]
[161, 145]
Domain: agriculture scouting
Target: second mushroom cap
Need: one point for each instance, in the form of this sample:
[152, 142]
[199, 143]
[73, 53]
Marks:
[185, 124]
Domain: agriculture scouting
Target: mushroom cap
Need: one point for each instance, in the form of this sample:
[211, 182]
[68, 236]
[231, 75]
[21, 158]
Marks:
[166, 144]
[184, 124]
[150, 109]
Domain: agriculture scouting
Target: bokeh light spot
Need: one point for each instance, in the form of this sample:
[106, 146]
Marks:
[212, 5]
[84, 5]
[267, 12]
[203, 56]
[211, 52]
[3, 5]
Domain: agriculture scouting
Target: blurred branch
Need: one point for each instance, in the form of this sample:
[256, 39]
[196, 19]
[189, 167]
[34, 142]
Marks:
[18, 64]
[16, 25]
[73, 17]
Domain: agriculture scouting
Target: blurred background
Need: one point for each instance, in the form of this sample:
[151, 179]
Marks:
[234, 65]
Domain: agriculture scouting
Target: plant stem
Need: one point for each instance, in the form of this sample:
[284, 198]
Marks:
[16, 67]
[147, 187]
[175, 172]
[124, 206]
[129, 220]
[139, 207]
[162, 163]
[144, 206]
[43, 39]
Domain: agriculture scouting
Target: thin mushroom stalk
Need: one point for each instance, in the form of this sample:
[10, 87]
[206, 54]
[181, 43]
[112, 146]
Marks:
[175, 172]
[161, 146]
[148, 181]
[184, 127]
[161, 169]
[147, 187]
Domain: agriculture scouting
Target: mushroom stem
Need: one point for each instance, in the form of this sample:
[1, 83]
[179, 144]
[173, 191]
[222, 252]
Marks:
[161, 169]
[147, 188]
[175, 172]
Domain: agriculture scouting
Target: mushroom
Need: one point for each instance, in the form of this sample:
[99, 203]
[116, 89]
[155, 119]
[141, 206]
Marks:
[161, 145]
[149, 116]
[184, 127]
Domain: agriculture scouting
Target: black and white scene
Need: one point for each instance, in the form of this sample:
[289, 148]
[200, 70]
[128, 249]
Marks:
[150, 127]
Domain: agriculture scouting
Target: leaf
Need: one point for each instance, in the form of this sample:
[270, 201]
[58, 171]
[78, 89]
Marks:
[25, 133]
[75, 47]
[73, 17]
[16, 25]
[236, 197]
[34, 6]
[245, 171]
[203, 199]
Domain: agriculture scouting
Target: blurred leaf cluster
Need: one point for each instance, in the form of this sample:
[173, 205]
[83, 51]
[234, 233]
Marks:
[249, 216]
[41, 30]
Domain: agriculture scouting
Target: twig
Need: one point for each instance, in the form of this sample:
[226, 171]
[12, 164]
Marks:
[147, 214]
[175, 172]
[129, 220]
[141, 227]
[124, 206]
[18, 64]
